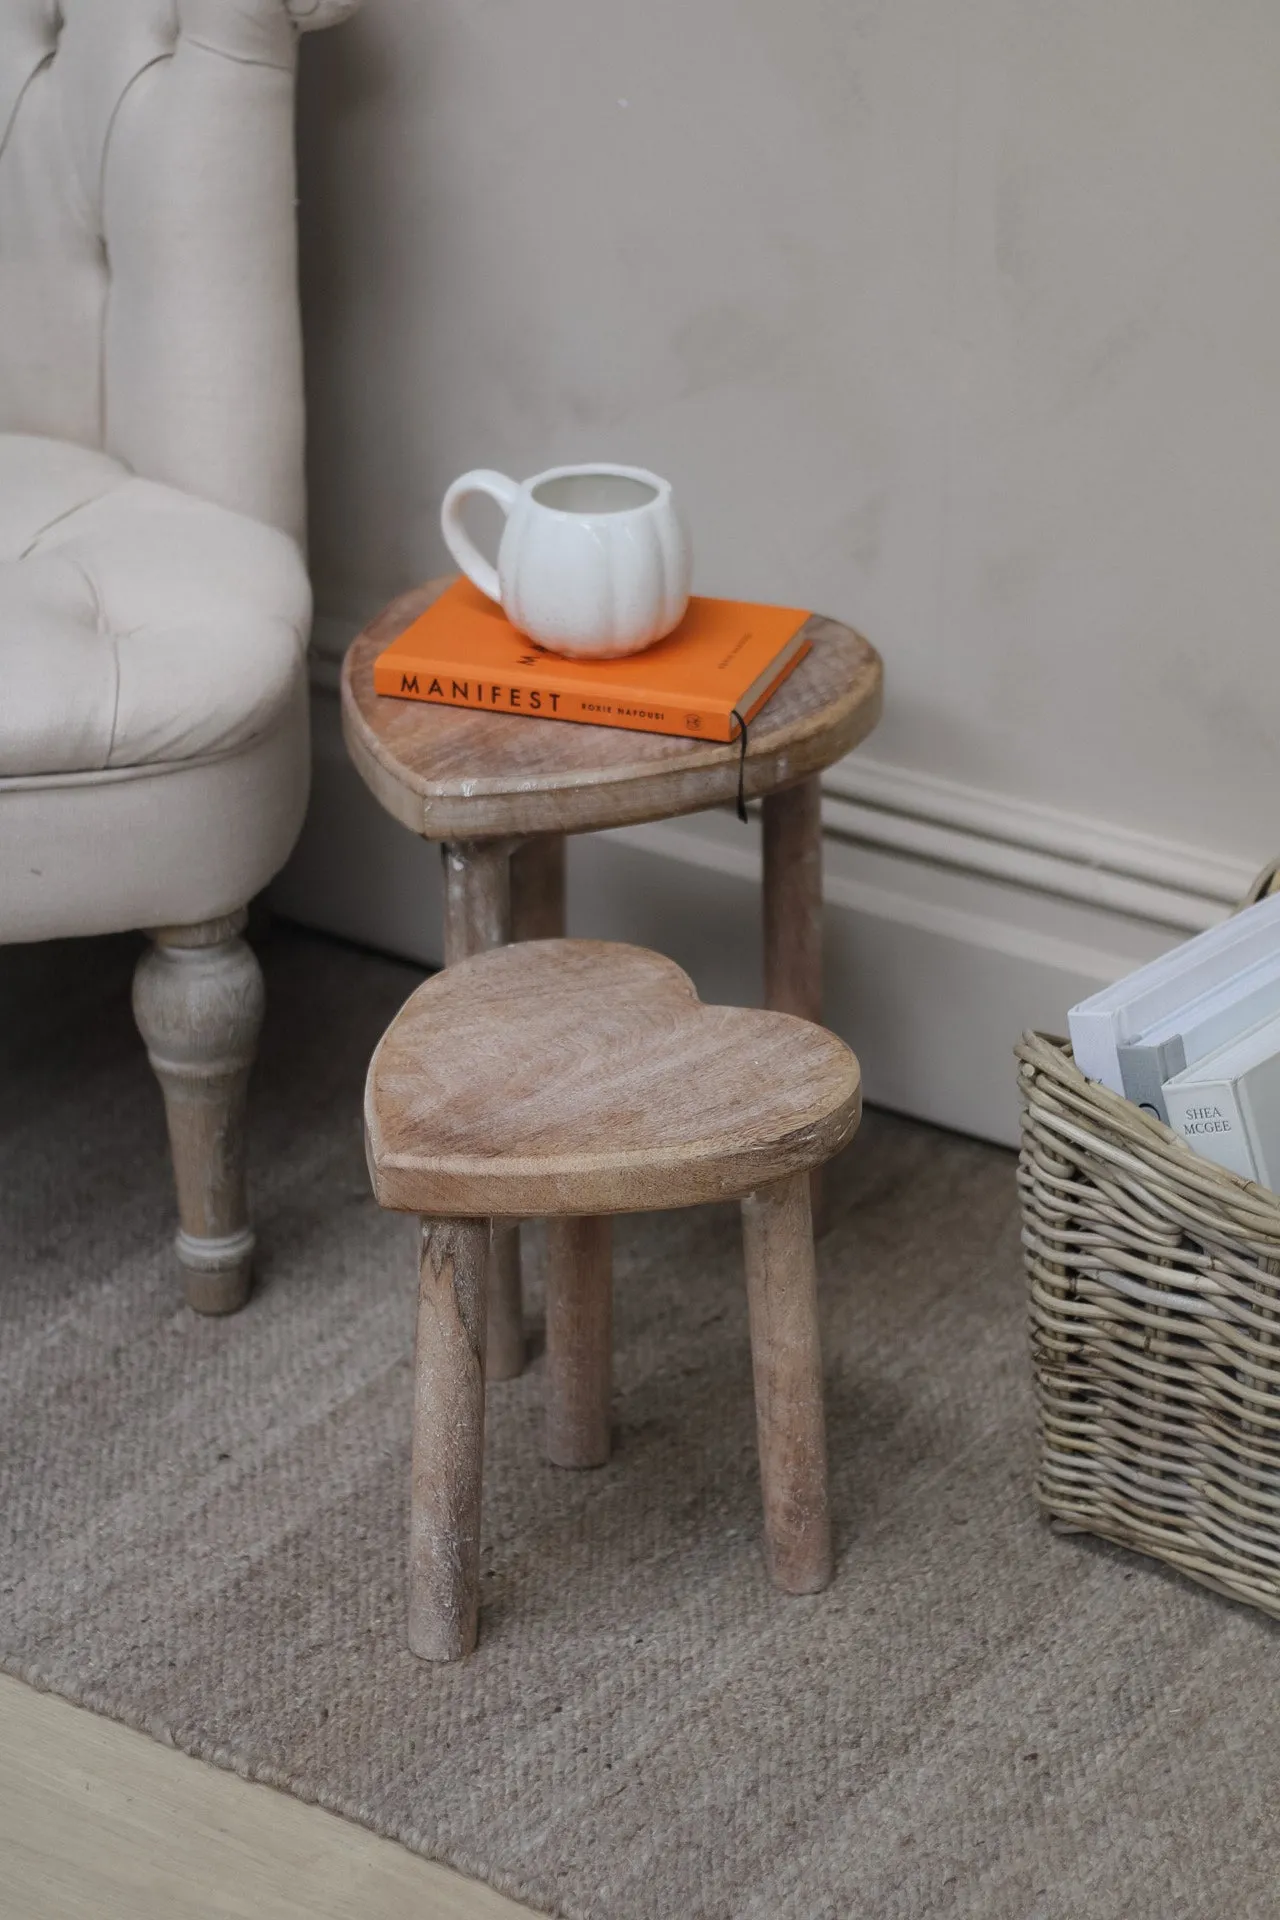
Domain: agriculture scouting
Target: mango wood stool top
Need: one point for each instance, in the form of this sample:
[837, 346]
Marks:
[573, 1079]
[500, 793]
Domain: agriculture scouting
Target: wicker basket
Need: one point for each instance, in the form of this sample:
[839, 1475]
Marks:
[1155, 1325]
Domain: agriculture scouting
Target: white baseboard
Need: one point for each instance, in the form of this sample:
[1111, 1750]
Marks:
[955, 918]
[1065, 855]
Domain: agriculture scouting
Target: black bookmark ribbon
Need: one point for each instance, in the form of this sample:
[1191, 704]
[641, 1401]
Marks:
[742, 766]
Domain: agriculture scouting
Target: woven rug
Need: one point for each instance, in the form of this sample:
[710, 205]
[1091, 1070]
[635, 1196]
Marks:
[202, 1530]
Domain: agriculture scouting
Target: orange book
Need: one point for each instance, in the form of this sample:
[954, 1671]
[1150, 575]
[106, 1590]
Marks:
[719, 665]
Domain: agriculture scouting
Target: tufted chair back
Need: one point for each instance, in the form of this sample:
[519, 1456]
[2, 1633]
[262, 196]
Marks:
[148, 280]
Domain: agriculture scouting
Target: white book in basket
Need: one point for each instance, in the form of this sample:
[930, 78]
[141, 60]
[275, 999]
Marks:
[1188, 1036]
[1108, 1020]
[1228, 1105]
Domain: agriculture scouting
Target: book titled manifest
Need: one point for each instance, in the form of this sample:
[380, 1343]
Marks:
[715, 671]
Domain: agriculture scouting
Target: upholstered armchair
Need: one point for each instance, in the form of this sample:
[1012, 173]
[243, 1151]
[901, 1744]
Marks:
[154, 605]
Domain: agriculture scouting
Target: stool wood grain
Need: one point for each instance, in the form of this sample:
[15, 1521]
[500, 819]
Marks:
[574, 1079]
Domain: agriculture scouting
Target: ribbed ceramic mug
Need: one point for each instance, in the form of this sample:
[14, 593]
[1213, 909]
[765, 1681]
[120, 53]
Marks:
[594, 561]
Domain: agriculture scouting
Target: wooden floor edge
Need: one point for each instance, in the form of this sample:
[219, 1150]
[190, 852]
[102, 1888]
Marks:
[98, 1818]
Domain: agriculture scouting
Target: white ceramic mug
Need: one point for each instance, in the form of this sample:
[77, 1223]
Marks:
[594, 561]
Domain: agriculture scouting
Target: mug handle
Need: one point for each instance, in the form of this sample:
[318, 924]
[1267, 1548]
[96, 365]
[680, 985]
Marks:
[458, 540]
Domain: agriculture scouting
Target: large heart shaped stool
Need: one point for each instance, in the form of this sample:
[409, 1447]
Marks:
[570, 1080]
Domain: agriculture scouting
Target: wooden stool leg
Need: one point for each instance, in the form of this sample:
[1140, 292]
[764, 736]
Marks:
[537, 913]
[477, 916]
[448, 1439]
[793, 916]
[579, 1341]
[504, 1354]
[787, 1363]
[477, 897]
[538, 889]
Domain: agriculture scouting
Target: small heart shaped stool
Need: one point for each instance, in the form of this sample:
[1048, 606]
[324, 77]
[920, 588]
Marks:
[570, 1080]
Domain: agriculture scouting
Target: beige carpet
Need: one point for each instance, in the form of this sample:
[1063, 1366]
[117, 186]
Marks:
[202, 1532]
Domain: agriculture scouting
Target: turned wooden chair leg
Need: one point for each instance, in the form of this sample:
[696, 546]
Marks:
[448, 1439]
[477, 916]
[579, 1341]
[787, 1363]
[197, 999]
[538, 889]
[792, 821]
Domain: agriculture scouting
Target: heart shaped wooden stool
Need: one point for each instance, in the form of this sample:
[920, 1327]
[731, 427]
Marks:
[573, 1079]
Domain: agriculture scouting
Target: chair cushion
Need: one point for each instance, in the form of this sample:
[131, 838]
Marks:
[139, 626]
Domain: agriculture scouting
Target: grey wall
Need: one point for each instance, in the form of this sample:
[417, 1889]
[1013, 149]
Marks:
[958, 321]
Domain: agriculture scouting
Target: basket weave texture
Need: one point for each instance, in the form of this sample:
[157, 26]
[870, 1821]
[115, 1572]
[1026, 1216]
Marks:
[1155, 1329]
